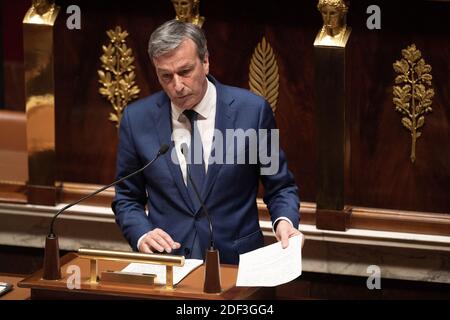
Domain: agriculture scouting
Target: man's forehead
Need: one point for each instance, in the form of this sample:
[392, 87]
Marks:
[183, 55]
[176, 66]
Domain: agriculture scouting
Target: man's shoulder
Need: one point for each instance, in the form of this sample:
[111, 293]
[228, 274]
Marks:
[243, 96]
[241, 93]
[146, 104]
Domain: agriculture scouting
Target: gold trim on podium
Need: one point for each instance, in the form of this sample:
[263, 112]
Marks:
[94, 255]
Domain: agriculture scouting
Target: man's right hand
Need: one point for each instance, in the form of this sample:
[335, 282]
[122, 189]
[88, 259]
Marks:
[158, 240]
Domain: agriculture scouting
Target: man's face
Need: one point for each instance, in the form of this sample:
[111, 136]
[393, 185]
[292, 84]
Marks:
[182, 75]
[332, 19]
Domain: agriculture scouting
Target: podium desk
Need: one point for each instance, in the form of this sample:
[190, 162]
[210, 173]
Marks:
[191, 287]
[16, 293]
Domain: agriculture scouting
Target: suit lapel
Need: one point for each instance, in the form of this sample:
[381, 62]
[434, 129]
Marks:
[225, 118]
[164, 129]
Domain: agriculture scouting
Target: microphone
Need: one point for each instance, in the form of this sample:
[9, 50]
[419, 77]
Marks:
[52, 270]
[212, 263]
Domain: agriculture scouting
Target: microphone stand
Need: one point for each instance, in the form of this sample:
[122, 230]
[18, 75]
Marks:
[212, 272]
[52, 266]
[212, 259]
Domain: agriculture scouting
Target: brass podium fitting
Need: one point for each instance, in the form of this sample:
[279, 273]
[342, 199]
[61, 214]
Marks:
[169, 261]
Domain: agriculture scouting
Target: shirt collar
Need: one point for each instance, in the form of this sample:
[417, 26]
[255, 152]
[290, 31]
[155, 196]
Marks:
[204, 107]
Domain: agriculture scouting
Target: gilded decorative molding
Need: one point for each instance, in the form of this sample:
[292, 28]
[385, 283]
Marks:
[413, 99]
[264, 76]
[334, 32]
[117, 77]
[42, 12]
[188, 11]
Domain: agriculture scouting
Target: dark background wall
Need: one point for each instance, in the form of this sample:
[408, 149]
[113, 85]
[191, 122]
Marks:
[11, 46]
[381, 174]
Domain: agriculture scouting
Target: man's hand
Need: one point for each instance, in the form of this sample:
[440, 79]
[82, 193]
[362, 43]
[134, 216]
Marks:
[157, 240]
[285, 231]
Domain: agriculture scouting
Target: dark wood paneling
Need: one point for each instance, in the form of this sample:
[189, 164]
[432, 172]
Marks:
[87, 142]
[337, 287]
[21, 260]
[13, 193]
[11, 54]
[380, 175]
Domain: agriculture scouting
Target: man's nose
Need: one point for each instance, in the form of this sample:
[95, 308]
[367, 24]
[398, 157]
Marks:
[178, 84]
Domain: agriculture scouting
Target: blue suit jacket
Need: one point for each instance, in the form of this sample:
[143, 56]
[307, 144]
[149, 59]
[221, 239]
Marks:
[229, 192]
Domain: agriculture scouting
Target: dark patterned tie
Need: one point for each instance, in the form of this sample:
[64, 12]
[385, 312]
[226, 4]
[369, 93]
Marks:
[196, 163]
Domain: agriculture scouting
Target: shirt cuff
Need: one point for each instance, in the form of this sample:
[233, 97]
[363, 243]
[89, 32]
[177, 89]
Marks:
[276, 221]
[140, 240]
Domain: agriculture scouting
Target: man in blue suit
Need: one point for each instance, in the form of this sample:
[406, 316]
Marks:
[197, 111]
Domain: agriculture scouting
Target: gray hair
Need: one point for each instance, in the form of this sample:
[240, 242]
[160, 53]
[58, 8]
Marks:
[171, 34]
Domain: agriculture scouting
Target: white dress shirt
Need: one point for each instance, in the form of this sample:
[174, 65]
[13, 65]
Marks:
[206, 118]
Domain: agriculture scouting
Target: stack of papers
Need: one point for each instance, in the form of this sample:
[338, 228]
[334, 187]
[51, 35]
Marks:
[179, 273]
[271, 266]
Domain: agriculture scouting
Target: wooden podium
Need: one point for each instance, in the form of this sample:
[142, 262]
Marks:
[189, 288]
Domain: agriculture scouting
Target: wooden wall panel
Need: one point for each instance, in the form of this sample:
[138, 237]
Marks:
[87, 142]
[11, 64]
[380, 175]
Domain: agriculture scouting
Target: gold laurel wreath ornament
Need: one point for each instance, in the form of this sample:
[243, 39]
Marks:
[117, 77]
[413, 99]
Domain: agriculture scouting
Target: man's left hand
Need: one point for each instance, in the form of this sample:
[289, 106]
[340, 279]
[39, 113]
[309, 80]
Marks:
[285, 231]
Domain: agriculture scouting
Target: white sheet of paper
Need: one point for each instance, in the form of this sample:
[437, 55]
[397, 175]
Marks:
[178, 272]
[270, 266]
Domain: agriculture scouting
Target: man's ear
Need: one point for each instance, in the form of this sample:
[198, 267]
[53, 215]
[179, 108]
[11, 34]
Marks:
[206, 64]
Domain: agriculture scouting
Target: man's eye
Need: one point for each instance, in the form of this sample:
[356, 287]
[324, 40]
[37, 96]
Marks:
[184, 72]
[166, 77]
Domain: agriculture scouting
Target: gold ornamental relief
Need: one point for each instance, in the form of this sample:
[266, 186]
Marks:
[264, 76]
[334, 32]
[43, 12]
[117, 76]
[412, 98]
[188, 11]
